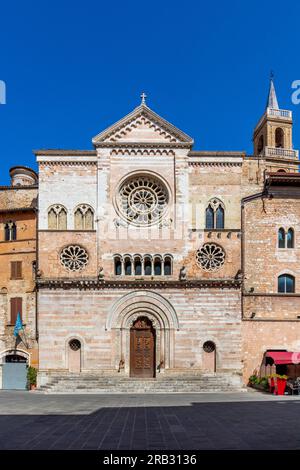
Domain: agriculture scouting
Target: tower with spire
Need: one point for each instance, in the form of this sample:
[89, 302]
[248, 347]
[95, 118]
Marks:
[272, 136]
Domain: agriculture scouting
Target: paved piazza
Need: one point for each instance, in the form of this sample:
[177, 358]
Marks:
[179, 421]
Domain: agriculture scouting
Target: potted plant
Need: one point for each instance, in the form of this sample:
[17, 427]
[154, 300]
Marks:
[31, 378]
[281, 383]
[272, 382]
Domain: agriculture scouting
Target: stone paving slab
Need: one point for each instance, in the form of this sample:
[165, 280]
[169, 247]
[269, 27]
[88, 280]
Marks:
[250, 420]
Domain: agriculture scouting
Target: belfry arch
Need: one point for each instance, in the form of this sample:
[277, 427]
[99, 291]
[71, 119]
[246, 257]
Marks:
[160, 312]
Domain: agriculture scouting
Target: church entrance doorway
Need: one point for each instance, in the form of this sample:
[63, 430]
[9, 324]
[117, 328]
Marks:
[142, 349]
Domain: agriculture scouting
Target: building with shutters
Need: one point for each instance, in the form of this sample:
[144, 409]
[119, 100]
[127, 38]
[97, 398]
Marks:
[18, 215]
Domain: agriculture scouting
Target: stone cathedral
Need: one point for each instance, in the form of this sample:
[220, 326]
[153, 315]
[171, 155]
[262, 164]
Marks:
[157, 261]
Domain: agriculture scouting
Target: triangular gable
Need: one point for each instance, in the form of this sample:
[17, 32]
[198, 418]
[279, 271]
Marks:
[142, 125]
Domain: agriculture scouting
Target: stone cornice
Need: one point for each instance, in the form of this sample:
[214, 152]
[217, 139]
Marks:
[202, 153]
[64, 162]
[64, 152]
[148, 145]
[96, 284]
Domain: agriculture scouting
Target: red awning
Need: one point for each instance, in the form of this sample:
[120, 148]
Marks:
[284, 357]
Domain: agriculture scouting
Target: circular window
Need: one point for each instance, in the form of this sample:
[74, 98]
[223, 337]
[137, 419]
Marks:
[74, 258]
[142, 200]
[210, 257]
[75, 344]
[209, 346]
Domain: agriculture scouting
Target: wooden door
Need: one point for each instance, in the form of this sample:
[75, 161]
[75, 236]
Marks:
[74, 356]
[142, 349]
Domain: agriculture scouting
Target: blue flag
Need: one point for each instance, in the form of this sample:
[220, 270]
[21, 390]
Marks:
[18, 325]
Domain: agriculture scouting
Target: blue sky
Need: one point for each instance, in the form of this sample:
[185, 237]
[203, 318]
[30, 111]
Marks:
[72, 68]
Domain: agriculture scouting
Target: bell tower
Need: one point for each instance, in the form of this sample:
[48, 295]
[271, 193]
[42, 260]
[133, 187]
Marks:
[272, 136]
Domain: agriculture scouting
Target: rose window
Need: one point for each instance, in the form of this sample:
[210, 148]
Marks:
[142, 200]
[74, 258]
[210, 257]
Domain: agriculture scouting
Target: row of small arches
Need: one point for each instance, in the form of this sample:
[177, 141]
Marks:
[286, 238]
[143, 265]
[83, 217]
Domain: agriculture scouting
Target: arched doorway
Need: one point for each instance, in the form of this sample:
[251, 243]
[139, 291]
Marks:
[209, 356]
[142, 348]
[74, 355]
[14, 370]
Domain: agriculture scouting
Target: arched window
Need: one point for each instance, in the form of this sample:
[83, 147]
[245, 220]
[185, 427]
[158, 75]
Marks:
[209, 217]
[214, 215]
[167, 266]
[279, 137]
[10, 231]
[84, 218]
[290, 238]
[260, 145]
[127, 266]
[281, 238]
[137, 266]
[157, 267]
[220, 217]
[147, 266]
[286, 284]
[57, 217]
[118, 266]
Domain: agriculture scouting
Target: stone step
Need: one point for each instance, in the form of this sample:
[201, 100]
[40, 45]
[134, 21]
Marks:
[92, 383]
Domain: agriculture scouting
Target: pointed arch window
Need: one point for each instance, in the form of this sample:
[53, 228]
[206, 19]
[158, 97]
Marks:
[286, 239]
[209, 217]
[215, 215]
[281, 238]
[220, 217]
[290, 238]
[10, 231]
[286, 284]
[57, 217]
[84, 218]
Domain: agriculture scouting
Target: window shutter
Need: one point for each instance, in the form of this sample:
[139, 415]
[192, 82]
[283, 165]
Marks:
[15, 308]
[19, 269]
[16, 270]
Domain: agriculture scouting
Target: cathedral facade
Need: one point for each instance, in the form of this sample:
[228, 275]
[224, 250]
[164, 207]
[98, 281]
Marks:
[151, 255]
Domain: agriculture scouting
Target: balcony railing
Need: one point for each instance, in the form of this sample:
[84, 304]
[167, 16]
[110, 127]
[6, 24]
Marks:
[280, 113]
[283, 113]
[280, 152]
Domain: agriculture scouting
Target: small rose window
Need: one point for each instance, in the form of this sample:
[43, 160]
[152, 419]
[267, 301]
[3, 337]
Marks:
[74, 258]
[210, 257]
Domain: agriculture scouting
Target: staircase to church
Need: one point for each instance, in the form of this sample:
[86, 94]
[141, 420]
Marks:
[91, 383]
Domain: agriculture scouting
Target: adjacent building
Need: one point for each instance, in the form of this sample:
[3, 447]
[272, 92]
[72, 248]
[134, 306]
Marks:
[18, 254]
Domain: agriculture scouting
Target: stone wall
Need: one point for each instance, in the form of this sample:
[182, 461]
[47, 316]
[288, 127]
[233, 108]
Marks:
[206, 314]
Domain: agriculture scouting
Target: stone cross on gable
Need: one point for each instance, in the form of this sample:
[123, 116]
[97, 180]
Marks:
[143, 97]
